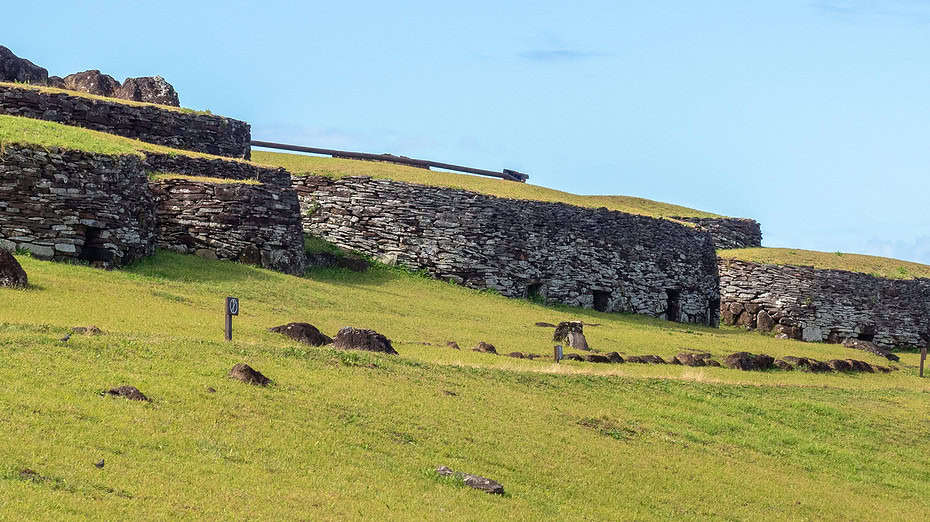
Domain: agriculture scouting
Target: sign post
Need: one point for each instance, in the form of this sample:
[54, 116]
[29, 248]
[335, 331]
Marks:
[923, 357]
[232, 308]
[557, 352]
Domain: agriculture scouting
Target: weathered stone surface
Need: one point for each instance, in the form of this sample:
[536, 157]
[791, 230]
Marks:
[349, 338]
[572, 357]
[91, 82]
[303, 332]
[87, 330]
[69, 205]
[148, 89]
[454, 345]
[16, 69]
[516, 355]
[481, 483]
[870, 347]
[629, 263]
[128, 392]
[245, 373]
[484, 347]
[839, 365]
[692, 359]
[12, 274]
[170, 127]
[597, 358]
[764, 321]
[828, 305]
[56, 81]
[645, 359]
[730, 232]
[572, 334]
[615, 357]
[747, 361]
[256, 224]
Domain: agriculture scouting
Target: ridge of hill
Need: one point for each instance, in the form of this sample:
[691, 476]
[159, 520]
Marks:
[349, 434]
[874, 265]
[299, 164]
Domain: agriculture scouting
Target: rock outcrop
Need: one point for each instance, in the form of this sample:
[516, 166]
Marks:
[148, 89]
[21, 70]
[92, 82]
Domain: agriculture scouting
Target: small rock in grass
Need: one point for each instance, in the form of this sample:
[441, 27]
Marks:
[860, 366]
[840, 365]
[87, 330]
[595, 358]
[484, 347]
[783, 365]
[349, 338]
[572, 357]
[480, 483]
[303, 332]
[545, 325]
[748, 362]
[12, 274]
[690, 359]
[245, 373]
[516, 355]
[454, 345]
[129, 392]
[615, 357]
[868, 346]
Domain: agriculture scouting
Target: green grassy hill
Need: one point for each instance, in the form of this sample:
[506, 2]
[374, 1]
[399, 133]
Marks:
[353, 434]
[877, 266]
[337, 168]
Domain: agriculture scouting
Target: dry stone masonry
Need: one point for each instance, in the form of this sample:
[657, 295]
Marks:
[216, 168]
[811, 304]
[74, 205]
[607, 260]
[730, 232]
[255, 224]
[173, 128]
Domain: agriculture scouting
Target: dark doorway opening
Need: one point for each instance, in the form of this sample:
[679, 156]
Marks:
[673, 308]
[93, 249]
[534, 291]
[867, 333]
[713, 312]
[601, 300]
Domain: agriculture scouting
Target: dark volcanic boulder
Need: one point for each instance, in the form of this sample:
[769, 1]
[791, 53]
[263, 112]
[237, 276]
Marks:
[484, 484]
[595, 358]
[484, 347]
[245, 373]
[572, 334]
[129, 392]
[16, 69]
[516, 355]
[615, 357]
[840, 365]
[349, 338]
[692, 359]
[783, 365]
[92, 82]
[869, 346]
[149, 89]
[860, 366]
[747, 361]
[56, 81]
[572, 357]
[303, 332]
[12, 274]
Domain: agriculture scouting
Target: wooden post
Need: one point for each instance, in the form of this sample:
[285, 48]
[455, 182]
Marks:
[923, 357]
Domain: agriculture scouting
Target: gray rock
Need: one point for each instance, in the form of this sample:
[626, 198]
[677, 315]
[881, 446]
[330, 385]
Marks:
[91, 82]
[481, 483]
[148, 89]
[12, 274]
[870, 347]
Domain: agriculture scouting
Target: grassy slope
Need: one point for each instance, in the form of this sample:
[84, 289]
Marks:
[54, 90]
[877, 266]
[345, 434]
[336, 167]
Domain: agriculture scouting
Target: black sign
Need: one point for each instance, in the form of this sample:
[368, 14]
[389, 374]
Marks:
[232, 305]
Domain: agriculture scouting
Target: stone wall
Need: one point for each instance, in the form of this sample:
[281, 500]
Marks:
[255, 224]
[217, 168]
[173, 128]
[825, 305]
[730, 232]
[597, 258]
[67, 205]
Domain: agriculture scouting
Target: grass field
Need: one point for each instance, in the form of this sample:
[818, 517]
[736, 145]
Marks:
[337, 168]
[355, 435]
[877, 266]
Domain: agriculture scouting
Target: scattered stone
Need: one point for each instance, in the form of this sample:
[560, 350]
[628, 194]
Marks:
[764, 321]
[100, 463]
[691, 359]
[868, 346]
[516, 355]
[783, 365]
[674, 361]
[454, 345]
[747, 361]
[450, 393]
[16, 69]
[484, 347]
[615, 357]
[245, 373]
[572, 357]
[303, 332]
[545, 325]
[595, 358]
[129, 392]
[211, 389]
[92, 82]
[350, 338]
[860, 366]
[533, 356]
[711, 362]
[12, 274]
[87, 330]
[646, 359]
[148, 89]
[28, 474]
[481, 483]
[571, 333]
[839, 365]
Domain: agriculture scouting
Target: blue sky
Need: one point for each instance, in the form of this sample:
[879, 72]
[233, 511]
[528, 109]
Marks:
[811, 116]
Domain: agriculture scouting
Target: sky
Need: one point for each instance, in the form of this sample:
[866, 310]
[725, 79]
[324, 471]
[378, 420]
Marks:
[811, 117]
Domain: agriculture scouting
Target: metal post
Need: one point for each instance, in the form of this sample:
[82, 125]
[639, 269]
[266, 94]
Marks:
[228, 325]
[557, 353]
[232, 308]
